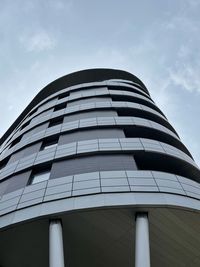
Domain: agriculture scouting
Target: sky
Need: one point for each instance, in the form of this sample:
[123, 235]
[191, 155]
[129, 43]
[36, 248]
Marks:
[157, 40]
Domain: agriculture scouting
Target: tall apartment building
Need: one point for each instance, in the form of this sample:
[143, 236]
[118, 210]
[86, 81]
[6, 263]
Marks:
[93, 174]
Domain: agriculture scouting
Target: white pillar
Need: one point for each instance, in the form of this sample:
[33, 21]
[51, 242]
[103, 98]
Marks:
[56, 252]
[142, 244]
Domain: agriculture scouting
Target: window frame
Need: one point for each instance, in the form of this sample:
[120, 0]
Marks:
[40, 173]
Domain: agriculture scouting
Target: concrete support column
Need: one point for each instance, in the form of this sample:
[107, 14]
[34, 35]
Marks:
[142, 244]
[56, 252]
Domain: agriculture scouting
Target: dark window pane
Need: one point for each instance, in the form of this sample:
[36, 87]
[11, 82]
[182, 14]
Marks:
[55, 122]
[49, 143]
[90, 134]
[17, 181]
[38, 176]
[92, 164]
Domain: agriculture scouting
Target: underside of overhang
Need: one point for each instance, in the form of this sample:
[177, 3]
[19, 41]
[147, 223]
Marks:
[105, 237]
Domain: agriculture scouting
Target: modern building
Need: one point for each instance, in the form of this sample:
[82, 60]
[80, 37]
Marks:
[93, 174]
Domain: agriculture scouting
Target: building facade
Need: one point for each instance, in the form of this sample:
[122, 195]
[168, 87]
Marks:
[93, 174]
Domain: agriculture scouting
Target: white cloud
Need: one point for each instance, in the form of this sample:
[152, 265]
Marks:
[161, 48]
[184, 51]
[60, 5]
[187, 76]
[193, 3]
[183, 30]
[10, 107]
[38, 42]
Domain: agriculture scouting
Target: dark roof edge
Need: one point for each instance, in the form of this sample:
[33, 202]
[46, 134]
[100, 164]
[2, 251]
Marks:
[75, 78]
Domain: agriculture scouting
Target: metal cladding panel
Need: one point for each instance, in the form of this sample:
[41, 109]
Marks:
[25, 152]
[88, 100]
[93, 121]
[89, 114]
[35, 130]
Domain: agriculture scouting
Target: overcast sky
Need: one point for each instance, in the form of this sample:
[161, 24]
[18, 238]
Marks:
[157, 40]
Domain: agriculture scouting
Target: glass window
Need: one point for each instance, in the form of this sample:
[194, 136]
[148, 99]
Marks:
[16, 141]
[4, 162]
[49, 143]
[24, 125]
[32, 112]
[55, 122]
[47, 146]
[66, 94]
[40, 177]
[60, 107]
